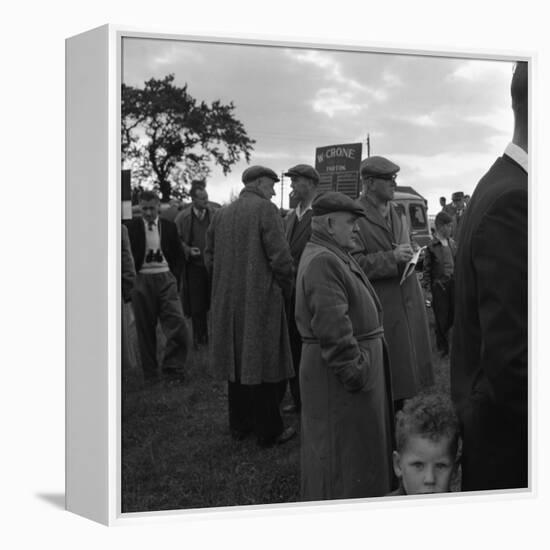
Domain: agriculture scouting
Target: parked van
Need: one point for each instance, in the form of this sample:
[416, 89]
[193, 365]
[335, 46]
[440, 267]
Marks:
[416, 212]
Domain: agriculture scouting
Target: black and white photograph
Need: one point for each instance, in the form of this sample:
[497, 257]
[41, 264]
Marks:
[267, 281]
[324, 274]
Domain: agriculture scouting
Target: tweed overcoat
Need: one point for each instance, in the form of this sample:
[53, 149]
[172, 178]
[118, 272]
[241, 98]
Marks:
[249, 262]
[489, 354]
[347, 421]
[405, 320]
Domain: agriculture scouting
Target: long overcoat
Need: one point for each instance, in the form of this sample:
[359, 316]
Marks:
[406, 326]
[347, 421]
[252, 276]
[195, 289]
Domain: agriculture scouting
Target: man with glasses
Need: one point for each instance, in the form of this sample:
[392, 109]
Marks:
[383, 251]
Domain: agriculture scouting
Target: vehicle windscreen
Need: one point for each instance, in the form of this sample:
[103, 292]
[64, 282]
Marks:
[418, 217]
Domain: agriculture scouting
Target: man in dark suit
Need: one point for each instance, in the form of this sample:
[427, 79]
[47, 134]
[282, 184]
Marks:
[304, 181]
[159, 258]
[192, 224]
[489, 371]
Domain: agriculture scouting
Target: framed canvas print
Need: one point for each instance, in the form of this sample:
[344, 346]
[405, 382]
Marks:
[296, 274]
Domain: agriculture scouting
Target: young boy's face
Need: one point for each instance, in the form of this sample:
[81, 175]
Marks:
[445, 230]
[425, 465]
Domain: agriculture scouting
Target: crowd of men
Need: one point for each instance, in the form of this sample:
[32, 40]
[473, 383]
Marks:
[317, 301]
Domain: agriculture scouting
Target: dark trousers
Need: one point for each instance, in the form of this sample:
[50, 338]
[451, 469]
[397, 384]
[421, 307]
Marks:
[155, 298]
[443, 308]
[200, 328]
[255, 409]
[296, 351]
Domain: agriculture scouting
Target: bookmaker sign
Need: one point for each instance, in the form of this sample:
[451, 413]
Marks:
[338, 166]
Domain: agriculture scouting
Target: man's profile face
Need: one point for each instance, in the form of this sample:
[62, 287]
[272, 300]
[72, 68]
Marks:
[301, 187]
[200, 200]
[266, 186]
[150, 209]
[383, 189]
[344, 229]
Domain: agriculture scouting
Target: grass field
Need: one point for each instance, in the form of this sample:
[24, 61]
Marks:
[177, 451]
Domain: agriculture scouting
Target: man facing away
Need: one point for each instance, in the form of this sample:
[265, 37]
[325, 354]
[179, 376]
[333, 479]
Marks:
[192, 224]
[304, 181]
[489, 371]
[158, 257]
[383, 250]
[252, 275]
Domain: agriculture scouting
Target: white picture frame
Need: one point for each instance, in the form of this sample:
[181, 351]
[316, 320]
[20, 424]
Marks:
[93, 213]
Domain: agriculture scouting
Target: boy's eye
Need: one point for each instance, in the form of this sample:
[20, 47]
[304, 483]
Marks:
[418, 465]
[442, 465]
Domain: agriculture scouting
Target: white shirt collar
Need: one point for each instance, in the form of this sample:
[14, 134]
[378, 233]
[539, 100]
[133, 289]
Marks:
[199, 213]
[515, 152]
[300, 213]
[155, 222]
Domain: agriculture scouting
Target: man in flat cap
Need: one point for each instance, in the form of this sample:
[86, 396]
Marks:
[383, 250]
[344, 377]
[250, 266]
[192, 224]
[304, 181]
[489, 353]
[456, 210]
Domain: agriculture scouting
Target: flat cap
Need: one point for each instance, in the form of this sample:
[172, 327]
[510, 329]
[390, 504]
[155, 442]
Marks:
[332, 201]
[379, 167]
[458, 195]
[254, 172]
[304, 170]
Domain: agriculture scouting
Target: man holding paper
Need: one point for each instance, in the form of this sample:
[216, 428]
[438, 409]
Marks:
[383, 251]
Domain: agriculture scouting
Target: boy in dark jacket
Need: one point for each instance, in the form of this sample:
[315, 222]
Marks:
[438, 278]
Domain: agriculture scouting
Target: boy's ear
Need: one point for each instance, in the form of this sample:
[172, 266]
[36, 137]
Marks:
[397, 464]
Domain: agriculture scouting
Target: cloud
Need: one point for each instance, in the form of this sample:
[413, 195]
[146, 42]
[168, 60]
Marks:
[345, 94]
[332, 101]
[425, 120]
[391, 79]
[332, 69]
[478, 70]
[501, 120]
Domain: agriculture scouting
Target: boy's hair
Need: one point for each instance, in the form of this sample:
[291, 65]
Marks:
[442, 219]
[147, 196]
[427, 415]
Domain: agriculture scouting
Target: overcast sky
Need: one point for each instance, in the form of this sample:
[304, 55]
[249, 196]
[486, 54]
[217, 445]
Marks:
[443, 120]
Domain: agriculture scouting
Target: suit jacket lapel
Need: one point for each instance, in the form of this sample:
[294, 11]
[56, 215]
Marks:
[140, 234]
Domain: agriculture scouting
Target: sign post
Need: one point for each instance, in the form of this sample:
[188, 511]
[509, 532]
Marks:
[338, 166]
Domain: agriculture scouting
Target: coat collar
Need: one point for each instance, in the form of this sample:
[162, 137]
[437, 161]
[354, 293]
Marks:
[373, 214]
[252, 191]
[325, 241]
